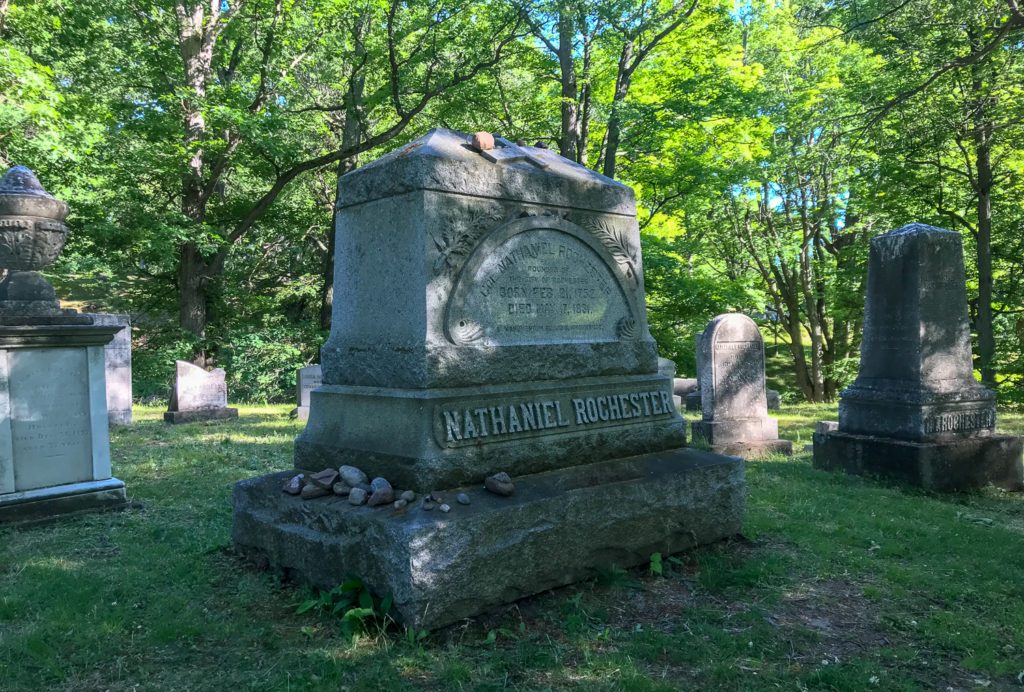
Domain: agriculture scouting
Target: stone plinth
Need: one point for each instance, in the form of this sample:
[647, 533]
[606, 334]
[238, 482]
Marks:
[556, 529]
[198, 395]
[734, 403]
[306, 380]
[915, 412]
[118, 355]
[54, 445]
[489, 320]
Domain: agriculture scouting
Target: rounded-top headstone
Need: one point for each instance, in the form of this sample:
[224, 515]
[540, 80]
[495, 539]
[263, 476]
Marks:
[732, 381]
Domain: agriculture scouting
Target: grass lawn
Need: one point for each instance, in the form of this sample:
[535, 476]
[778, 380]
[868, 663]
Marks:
[837, 583]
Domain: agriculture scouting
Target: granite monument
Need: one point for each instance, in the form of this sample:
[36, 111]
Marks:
[54, 444]
[734, 403]
[489, 328]
[915, 413]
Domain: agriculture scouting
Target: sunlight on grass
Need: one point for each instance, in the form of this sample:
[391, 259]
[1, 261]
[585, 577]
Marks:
[907, 588]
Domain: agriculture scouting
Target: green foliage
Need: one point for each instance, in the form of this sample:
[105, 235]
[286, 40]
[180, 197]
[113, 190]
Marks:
[356, 609]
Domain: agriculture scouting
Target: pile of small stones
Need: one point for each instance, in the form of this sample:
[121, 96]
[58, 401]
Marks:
[353, 483]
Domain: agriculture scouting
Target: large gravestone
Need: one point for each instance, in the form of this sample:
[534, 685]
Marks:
[489, 316]
[306, 380]
[118, 357]
[915, 413]
[734, 403]
[54, 444]
[198, 395]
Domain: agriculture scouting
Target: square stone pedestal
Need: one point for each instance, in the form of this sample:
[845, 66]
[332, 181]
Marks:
[556, 529]
[966, 463]
[54, 442]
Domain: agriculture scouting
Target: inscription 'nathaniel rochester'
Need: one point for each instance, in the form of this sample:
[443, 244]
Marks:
[472, 423]
[540, 285]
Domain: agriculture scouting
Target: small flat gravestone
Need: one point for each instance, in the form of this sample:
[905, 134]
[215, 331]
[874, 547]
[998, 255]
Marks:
[734, 403]
[915, 413]
[306, 380]
[198, 395]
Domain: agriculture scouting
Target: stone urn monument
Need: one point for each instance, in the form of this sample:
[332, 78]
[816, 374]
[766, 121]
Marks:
[54, 443]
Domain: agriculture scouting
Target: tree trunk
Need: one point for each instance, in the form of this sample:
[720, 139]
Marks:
[986, 335]
[622, 81]
[570, 104]
[351, 133]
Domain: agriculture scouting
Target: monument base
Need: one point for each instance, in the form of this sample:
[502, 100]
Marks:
[956, 465]
[31, 506]
[754, 450]
[750, 438]
[199, 414]
[556, 529]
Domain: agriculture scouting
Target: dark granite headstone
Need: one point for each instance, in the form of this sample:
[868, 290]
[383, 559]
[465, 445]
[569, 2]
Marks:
[198, 395]
[734, 404]
[306, 380]
[915, 412]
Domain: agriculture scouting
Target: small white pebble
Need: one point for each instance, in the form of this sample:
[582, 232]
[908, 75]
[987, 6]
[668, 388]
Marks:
[445, 508]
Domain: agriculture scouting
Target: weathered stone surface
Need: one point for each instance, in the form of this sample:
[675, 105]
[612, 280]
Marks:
[293, 486]
[734, 406]
[381, 493]
[682, 386]
[340, 488]
[482, 141]
[198, 395]
[53, 421]
[118, 356]
[773, 399]
[570, 421]
[916, 379]
[357, 496]
[44, 504]
[489, 314]
[500, 484]
[667, 368]
[311, 491]
[324, 479]
[961, 464]
[352, 475]
[915, 413]
[556, 529]
[306, 380]
[32, 230]
[408, 495]
[463, 499]
[827, 426]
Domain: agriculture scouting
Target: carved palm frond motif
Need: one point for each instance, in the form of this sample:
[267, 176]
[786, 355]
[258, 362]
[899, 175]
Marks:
[626, 329]
[618, 244]
[460, 235]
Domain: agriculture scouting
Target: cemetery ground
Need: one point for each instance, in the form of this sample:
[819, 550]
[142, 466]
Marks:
[838, 582]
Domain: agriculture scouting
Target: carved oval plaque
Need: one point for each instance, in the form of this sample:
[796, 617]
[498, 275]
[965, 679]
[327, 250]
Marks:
[538, 281]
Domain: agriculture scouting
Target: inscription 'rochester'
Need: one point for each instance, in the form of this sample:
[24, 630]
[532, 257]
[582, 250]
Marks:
[960, 421]
[471, 424]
